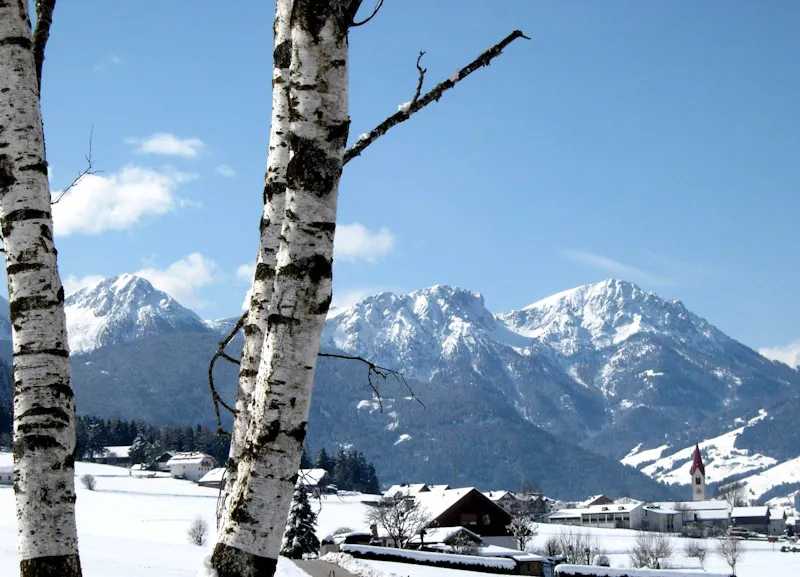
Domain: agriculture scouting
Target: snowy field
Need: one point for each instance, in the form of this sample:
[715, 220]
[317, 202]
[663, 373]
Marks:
[136, 527]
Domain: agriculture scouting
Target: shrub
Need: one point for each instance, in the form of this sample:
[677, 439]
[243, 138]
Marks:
[89, 482]
[198, 531]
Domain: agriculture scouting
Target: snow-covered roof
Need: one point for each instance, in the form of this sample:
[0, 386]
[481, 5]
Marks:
[709, 505]
[566, 514]
[6, 469]
[213, 476]
[437, 502]
[711, 515]
[189, 459]
[438, 487]
[412, 489]
[744, 512]
[611, 508]
[496, 495]
[441, 535]
[497, 551]
[661, 510]
[310, 477]
[118, 451]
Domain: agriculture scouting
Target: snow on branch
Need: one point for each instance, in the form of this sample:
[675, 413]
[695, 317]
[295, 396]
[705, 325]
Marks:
[406, 110]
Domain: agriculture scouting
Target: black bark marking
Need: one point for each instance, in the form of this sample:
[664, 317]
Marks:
[323, 307]
[21, 41]
[51, 566]
[232, 562]
[337, 133]
[21, 214]
[276, 319]
[7, 179]
[282, 55]
[27, 351]
[28, 428]
[298, 434]
[323, 226]
[316, 268]
[54, 412]
[311, 168]
[21, 267]
[34, 443]
[271, 188]
[26, 304]
[264, 271]
[40, 167]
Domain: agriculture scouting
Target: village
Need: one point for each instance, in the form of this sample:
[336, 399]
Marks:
[463, 528]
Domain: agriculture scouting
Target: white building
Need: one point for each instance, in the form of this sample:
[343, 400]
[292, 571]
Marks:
[6, 475]
[191, 466]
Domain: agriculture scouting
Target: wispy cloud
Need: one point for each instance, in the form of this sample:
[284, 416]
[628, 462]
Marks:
[615, 268]
[343, 299]
[184, 278]
[225, 170]
[789, 354]
[356, 242]
[167, 144]
[117, 201]
[111, 60]
[246, 272]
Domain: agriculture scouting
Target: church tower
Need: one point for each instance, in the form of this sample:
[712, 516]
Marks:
[698, 472]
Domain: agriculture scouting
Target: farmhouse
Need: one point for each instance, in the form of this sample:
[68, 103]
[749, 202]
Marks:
[751, 518]
[408, 490]
[6, 475]
[468, 508]
[613, 516]
[532, 504]
[162, 460]
[314, 480]
[658, 518]
[215, 478]
[191, 466]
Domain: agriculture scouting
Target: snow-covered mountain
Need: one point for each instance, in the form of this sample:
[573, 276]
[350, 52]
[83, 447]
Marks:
[598, 361]
[122, 309]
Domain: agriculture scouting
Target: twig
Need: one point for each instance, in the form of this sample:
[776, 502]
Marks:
[371, 16]
[44, 19]
[422, 72]
[376, 371]
[433, 95]
[88, 170]
[221, 353]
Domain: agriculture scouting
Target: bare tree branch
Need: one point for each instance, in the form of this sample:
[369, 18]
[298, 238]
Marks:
[375, 371]
[222, 354]
[88, 170]
[406, 110]
[371, 16]
[44, 19]
[422, 72]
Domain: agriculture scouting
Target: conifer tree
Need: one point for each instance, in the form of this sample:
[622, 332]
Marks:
[300, 538]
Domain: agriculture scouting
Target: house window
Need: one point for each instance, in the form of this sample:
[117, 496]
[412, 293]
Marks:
[487, 519]
[468, 519]
[697, 480]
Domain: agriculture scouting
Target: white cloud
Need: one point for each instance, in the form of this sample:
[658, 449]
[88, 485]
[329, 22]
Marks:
[167, 144]
[225, 170]
[184, 278]
[615, 268]
[344, 299]
[118, 201]
[246, 272]
[356, 242]
[789, 354]
[73, 284]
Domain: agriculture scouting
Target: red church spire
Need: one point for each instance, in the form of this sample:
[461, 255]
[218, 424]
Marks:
[697, 462]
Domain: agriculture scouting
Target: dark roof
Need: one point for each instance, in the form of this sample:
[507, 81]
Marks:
[697, 462]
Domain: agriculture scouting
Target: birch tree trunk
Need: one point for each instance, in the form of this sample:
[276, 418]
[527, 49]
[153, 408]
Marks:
[255, 327]
[254, 521]
[44, 413]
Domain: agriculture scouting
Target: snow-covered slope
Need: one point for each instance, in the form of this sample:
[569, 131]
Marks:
[122, 309]
[597, 356]
[721, 458]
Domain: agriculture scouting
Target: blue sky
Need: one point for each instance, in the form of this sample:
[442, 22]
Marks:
[651, 141]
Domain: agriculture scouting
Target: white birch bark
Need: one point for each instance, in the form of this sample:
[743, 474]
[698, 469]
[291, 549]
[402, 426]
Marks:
[270, 228]
[44, 412]
[251, 531]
